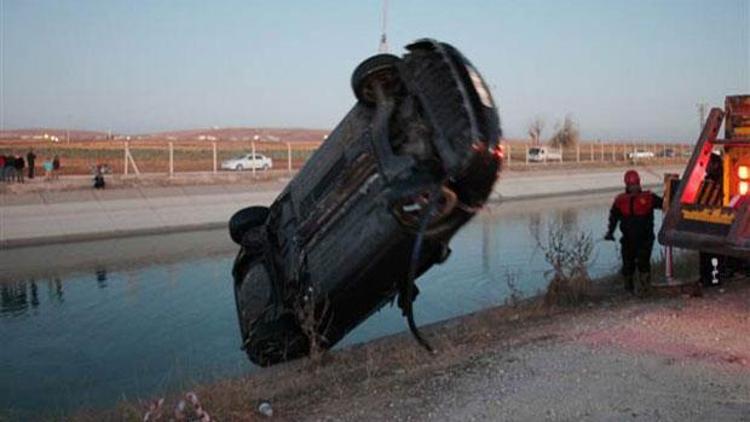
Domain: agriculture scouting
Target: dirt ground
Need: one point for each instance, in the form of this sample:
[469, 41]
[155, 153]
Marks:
[666, 357]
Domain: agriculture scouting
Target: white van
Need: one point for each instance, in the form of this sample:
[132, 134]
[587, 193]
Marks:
[542, 154]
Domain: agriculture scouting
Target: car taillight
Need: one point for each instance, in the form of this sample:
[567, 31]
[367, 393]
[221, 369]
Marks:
[499, 152]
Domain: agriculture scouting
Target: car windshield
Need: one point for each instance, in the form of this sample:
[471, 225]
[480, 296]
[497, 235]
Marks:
[534, 150]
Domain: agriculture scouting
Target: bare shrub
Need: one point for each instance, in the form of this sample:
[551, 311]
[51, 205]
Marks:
[514, 292]
[536, 127]
[313, 320]
[566, 134]
[569, 254]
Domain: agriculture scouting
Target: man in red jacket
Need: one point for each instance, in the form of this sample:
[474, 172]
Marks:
[634, 210]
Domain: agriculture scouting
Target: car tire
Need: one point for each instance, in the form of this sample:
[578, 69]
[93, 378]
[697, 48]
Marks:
[239, 167]
[244, 220]
[382, 68]
[266, 167]
[277, 341]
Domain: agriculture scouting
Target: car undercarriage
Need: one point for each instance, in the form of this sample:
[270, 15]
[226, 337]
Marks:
[373, 208]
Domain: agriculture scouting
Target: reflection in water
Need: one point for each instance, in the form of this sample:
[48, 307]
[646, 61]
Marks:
[101, 277]
[150, 327]
[13, 297]
[34, 295]
[16, 297]
[535, 225]
[567, 220]
[56, 289]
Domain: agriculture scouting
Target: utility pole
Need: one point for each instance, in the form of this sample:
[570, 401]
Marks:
[383, 47]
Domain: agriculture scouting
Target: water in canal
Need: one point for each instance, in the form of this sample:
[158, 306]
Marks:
[86, 324]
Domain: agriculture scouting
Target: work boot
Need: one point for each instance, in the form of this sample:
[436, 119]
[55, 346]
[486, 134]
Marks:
[629, 287]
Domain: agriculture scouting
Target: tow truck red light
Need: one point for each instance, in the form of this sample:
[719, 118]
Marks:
[743, 172]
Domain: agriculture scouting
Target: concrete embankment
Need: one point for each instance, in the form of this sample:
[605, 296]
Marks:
[63, 216]
[522, 185]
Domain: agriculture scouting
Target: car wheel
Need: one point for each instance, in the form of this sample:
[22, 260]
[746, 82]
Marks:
[381, 69]
[277, 341]
[244, 220]
[266, 167]
[239, 167]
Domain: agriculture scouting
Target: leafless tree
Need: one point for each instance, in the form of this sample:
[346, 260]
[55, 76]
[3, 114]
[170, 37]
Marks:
[536, 127]
[566, 134]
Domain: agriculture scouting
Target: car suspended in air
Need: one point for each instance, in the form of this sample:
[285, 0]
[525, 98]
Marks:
[372, 209]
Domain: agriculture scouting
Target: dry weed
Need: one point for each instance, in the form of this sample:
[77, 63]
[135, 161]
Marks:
[569, 255]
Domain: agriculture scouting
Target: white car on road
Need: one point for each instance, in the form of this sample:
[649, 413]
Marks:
[640, 154]
[543, 154]
[248, 162]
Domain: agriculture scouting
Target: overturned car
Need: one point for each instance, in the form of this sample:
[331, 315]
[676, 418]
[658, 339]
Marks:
[372, 209]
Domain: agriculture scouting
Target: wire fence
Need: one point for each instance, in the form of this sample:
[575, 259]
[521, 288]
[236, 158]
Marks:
[134, 158]
[518, 155]
[161, 157]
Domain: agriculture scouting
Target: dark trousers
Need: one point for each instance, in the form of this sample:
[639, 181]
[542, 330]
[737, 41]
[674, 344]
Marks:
[636, 253]
[31, 170]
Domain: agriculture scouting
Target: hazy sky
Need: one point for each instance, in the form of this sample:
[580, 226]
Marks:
[623, 69]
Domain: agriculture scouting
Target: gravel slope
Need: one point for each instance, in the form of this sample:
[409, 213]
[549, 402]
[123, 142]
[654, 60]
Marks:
[664, 358]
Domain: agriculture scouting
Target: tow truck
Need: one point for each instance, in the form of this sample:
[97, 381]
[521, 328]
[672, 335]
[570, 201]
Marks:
[709, 207]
